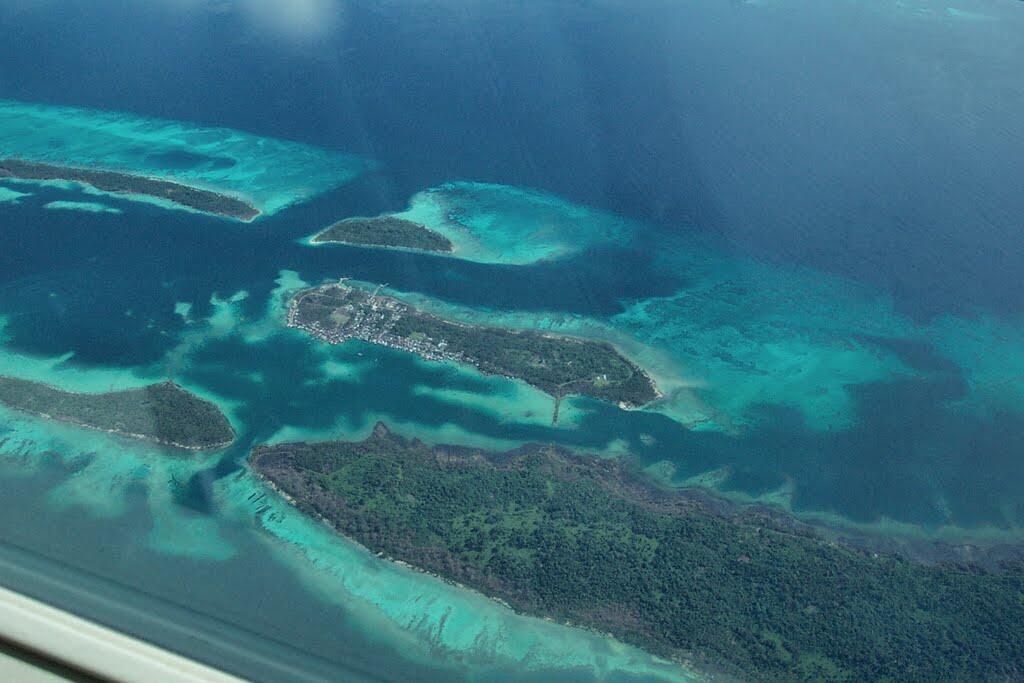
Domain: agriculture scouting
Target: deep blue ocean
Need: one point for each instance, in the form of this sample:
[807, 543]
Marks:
[875, 142]
[809, 132]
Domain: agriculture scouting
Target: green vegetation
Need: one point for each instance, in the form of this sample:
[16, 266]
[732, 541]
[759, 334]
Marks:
[123, 183]
[384, 231]
[583, 540]
[163, 412]
[557, 365]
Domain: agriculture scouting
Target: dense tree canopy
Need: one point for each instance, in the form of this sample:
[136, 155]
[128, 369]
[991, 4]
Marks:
[580, 539]
[163, 412]
[385, 231]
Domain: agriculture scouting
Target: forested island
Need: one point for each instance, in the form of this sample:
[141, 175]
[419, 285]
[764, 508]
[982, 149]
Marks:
[384, 231]
[586, 541]
[125, 183]
[164, 412]
[557, 365]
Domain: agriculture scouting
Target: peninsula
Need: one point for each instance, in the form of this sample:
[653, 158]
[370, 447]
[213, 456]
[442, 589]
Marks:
[584, 540]
[164, 413]
[384, 231]
[557, 365]
[125, 183]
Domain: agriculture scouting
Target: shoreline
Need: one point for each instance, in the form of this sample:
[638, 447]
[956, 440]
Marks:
[425, 305]
[688, 665]
[364, 509]
[183, 195]
[120, 432]
[309, 241]
[314, 242]
[390, 341]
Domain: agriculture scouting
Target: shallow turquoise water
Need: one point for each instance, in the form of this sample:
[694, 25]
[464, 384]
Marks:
[113, 481]
[848, 346]
[170, 505]
[271, 173]
[91, 207]
[10, 195]
[505, 224]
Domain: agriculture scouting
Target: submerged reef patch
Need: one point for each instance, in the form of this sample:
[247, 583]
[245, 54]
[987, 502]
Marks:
[491, 223]
[427, 614]
[267, 173]
[87, 207]
[7, 195]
